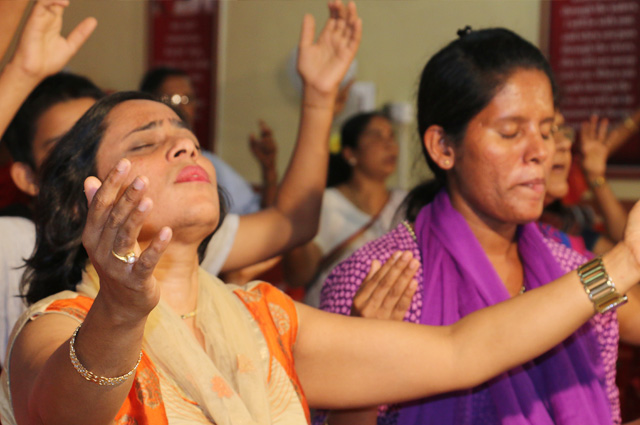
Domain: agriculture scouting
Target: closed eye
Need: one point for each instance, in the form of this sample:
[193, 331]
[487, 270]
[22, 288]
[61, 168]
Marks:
[142, 146]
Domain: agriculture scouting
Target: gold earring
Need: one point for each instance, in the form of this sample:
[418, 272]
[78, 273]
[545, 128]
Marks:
[447, 162]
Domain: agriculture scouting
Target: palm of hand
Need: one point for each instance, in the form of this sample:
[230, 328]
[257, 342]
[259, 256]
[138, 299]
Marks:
[42, 49]
[324, 64]
[594, 156]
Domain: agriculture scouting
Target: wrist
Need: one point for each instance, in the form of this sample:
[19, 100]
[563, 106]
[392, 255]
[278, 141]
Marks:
[20, 79]
[623, 265]
[317, 98]
[595, 181]
[115, 316]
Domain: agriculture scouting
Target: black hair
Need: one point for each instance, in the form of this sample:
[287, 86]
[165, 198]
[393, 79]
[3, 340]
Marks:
[154, 78]
[458, 82]
[61, 206]
[339, 169]
[58, 88]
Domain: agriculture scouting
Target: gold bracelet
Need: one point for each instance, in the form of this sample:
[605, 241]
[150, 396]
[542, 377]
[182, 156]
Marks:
[599, 286]
[92, 377]
[630, 124]
[597, 182]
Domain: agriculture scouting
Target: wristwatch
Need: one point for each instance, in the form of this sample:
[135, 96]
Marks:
[599, 286]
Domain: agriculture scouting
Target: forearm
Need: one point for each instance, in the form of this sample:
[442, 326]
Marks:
[300, 194]
[61, 395]
[15, 87]
[269, 186]
[300, 264]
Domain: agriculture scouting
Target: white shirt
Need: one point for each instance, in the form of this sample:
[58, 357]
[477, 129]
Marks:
[17, 239]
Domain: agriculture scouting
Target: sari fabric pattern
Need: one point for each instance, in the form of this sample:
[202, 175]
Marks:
[158, 396]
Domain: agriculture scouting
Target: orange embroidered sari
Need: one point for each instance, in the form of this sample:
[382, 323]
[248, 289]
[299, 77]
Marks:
[159, 396]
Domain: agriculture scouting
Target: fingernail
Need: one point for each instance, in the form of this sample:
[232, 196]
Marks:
[414, 264]
[138, 184]
[121, 166]
[144, 205]
[396, 255]
[406, 256]
[165, 233]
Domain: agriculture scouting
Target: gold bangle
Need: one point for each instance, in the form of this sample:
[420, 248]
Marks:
[597, 182]
[92, 377]
[599, 286]
[630, 124]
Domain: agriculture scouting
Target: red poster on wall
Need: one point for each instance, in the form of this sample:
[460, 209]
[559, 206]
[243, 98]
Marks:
[183, 35]
[595, 51]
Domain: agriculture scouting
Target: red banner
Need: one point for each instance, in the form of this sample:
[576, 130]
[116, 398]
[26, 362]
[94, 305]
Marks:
[183, 35]
[595, 52]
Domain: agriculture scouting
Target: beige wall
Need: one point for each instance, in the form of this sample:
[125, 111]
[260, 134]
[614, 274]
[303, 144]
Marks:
[257, 37]
[114, 56]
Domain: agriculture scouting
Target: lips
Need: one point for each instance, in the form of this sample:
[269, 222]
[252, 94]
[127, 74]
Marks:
[193, 173]
[537, 185]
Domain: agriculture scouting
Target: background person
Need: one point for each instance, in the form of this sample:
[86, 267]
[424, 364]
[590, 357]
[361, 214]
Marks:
[357, 205]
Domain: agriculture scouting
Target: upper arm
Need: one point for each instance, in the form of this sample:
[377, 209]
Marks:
[260, 236]
[32, 349]
[346, 362]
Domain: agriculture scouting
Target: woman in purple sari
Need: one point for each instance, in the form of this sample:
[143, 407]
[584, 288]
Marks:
[485, 118]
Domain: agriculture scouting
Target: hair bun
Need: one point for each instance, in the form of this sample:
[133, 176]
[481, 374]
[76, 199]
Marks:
[464, 31]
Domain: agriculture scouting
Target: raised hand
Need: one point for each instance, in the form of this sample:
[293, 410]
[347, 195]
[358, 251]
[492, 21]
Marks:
[323, 64]
[594, 147]
[263, 147]
[42, 50]
[387, 290]
[115, 217]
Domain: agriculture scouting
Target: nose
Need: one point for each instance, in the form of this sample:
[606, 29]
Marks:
[539, 149]
[183, 147]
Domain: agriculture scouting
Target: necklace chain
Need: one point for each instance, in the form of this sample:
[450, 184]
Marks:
[189, 315]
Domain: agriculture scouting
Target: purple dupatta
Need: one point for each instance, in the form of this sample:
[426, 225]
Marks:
[563, 386]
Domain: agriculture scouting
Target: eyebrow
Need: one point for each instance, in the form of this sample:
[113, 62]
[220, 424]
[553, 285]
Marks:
[154, 124]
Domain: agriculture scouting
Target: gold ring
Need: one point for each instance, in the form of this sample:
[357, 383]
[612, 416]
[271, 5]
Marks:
[128, 258]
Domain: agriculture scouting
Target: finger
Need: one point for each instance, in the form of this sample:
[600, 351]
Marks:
[126, 236]
[594, 126]
[308, 32]
[602, 131]
[356, 36]
[119, 232]
[584, 132]
[340, 10]
[376, 273]
[389, 280]
[398, 287]
[401, 308]
[105, 197]
[91, 186]
[143, 268]
[81, 33]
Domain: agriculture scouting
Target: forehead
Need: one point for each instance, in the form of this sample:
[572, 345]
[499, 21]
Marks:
[131, 114]
[56, 121]
[176, 84]
[526, 93]
[378, 121]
